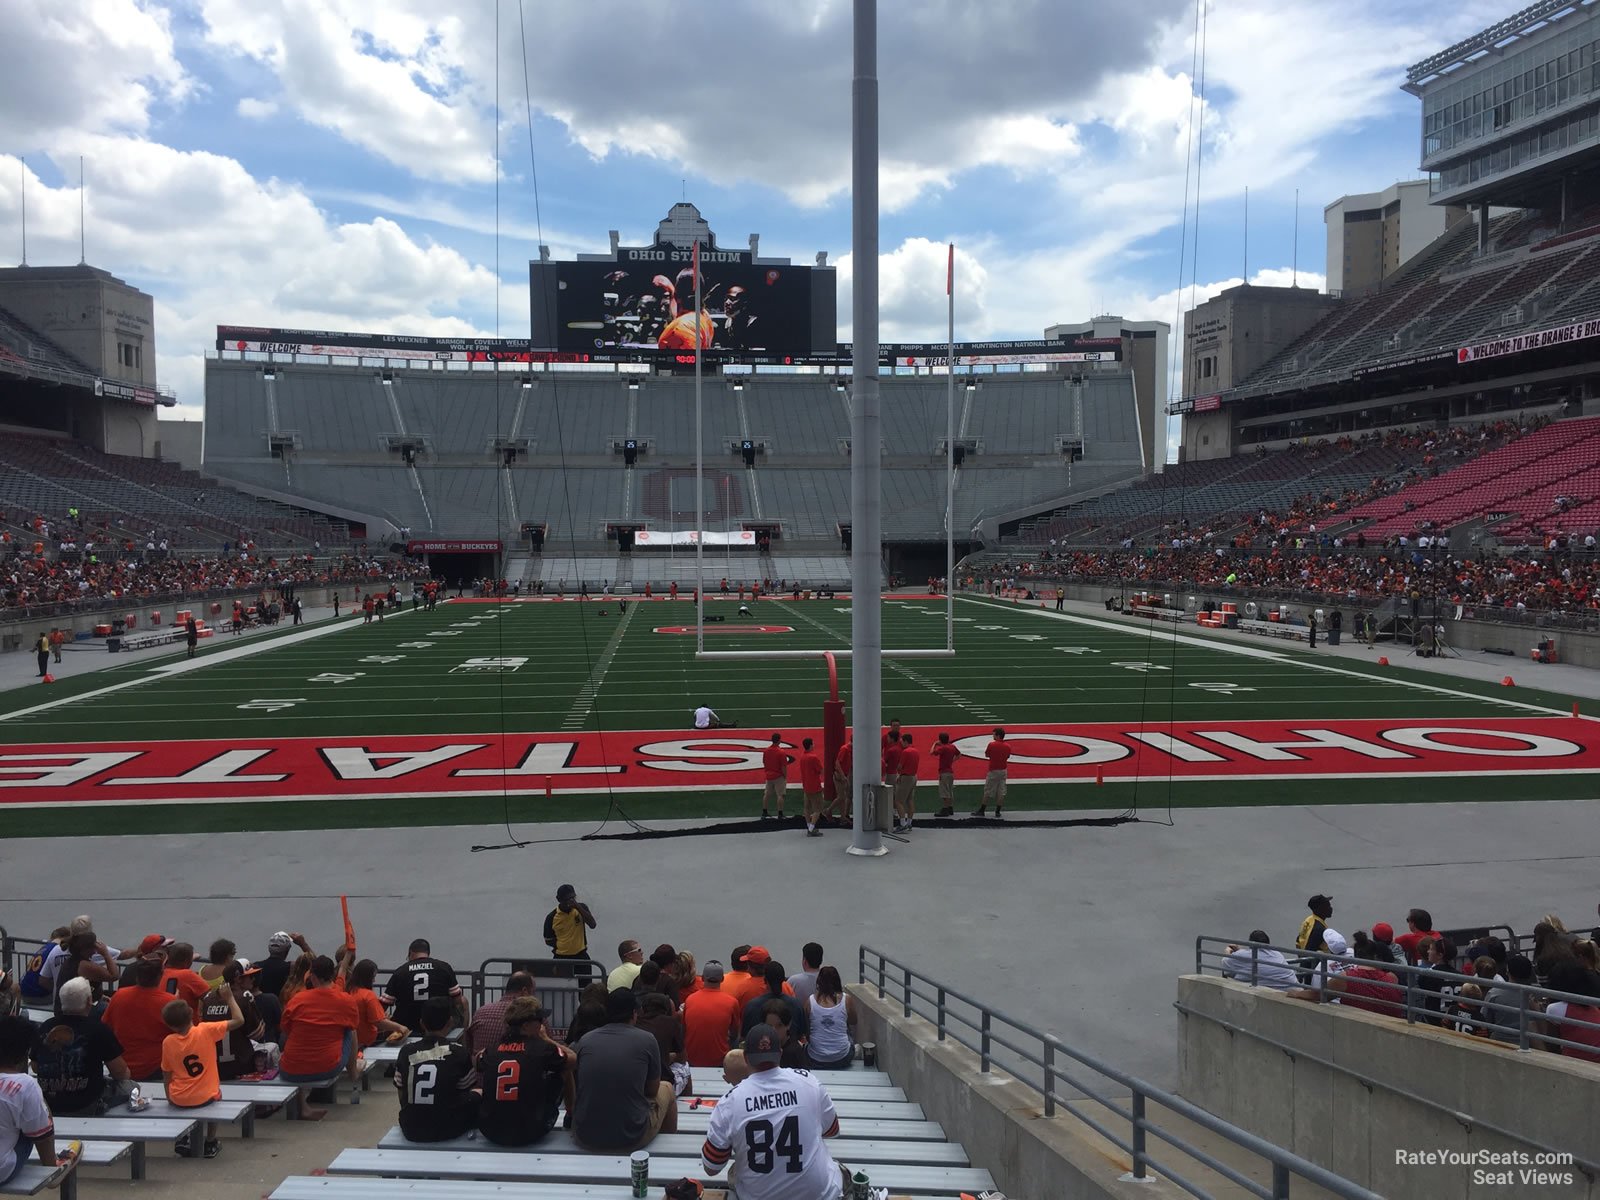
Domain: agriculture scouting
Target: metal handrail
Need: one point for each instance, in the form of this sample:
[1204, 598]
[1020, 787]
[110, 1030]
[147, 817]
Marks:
[889, 976]
[1417, 1001]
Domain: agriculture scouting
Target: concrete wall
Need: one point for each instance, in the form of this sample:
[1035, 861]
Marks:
[179, 442]
[1328, 1115]
[999, 1121]
[27, 630]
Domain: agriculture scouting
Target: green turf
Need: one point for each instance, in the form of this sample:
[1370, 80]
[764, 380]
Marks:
[585, 671]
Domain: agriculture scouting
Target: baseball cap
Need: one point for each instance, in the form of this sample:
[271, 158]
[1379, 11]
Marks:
[153, 942]
[565, 891]
[1319, 898]
[1383, 931]
[1335, 942]
[245, 968]
[757, 956]
[279, 941]
[761, 1047]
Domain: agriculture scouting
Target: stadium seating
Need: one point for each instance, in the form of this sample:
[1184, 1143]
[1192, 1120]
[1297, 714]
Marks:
[339, 423]
[1522, 479]
[1447, 297]
[22, 341]
[49, 476]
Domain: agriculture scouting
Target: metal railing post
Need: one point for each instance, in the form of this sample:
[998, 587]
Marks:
[861, 965]
[1049, 1079]
[1137, 1138]
[1280, 1182]
[906, 978]
[939, 1014]
[1522, 1020]
[983, 1041]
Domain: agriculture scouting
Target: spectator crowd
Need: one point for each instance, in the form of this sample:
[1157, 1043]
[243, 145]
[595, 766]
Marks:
[1473, 987]
[156, 1013]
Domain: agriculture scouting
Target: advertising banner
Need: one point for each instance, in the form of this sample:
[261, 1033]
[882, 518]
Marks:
[651, 539]
[1543, 339]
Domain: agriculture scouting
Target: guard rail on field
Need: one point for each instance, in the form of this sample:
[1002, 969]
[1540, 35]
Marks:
[1421, 995]
[1042, 1061]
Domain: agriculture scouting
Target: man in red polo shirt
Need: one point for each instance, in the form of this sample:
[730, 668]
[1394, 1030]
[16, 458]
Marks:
[994, 783]
[811, 786]
[905, 785]
[890, 767]
[843, 785]
[775, 762]
[945, 753]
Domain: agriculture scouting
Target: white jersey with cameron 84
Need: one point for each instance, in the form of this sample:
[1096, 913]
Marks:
[769, 1131]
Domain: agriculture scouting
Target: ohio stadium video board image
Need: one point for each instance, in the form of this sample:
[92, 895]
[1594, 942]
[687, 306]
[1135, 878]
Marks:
[538, 710]
[648, 304]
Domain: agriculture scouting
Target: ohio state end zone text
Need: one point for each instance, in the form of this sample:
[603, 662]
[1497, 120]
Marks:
[332, 768]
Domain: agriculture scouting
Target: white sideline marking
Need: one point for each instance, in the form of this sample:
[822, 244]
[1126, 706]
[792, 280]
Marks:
[1272, 656]
[182, 666]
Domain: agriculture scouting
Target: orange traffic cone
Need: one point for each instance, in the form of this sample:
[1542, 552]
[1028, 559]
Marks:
[1508, 682]
[1099, 777]
[1383, 660]
[49, 678]
[1574, 708]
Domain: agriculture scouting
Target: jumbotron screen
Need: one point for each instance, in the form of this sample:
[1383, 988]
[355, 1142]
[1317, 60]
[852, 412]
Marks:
[648, 305]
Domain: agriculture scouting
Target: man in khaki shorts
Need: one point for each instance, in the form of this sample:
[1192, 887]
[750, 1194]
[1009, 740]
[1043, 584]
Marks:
[843, 765]
[775, 762]
[994, 783]
[905, 783]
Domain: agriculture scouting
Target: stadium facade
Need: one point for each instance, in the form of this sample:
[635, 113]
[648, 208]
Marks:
[1497, 314]
[573, 448]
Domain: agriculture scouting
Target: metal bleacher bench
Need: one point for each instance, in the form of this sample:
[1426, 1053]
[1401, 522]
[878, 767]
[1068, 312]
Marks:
[1277, 629]
[134, 1134]
[34, 1178]
[1158, 614]
[140, 641]
[578, 1169]
[224, 1112]
[687, 1145]
[356, 1187]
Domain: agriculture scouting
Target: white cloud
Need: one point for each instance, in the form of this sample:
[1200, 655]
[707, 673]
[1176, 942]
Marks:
[912, 304]
[253, 109]
[91, 64]
[219, 247]
[392, 82]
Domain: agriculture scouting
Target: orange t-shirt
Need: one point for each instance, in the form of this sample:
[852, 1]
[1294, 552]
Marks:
[369, 1011]
[753, 986]
[710, 1023]
[185, 984]
[134, 1015]
[191, 1060]
[314, 1024]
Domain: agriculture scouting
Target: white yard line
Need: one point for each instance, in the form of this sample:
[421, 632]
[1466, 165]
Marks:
[583, 704]
[1165, 634]
[185, 665]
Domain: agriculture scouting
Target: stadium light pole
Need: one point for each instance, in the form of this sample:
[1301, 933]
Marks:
[866, 553]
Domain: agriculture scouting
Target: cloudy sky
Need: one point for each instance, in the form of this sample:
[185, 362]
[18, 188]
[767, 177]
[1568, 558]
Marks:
[332, 164]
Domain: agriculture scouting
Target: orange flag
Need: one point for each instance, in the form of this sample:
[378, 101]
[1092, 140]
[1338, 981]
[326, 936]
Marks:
[349, 929]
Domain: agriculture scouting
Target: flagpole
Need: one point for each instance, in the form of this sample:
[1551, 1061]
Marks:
[950, 460]
[699, 475]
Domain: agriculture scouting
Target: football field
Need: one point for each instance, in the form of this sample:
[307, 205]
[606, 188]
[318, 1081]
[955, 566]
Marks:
[487, 710]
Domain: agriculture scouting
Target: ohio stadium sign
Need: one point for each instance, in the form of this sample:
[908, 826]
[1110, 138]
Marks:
[1543, 339]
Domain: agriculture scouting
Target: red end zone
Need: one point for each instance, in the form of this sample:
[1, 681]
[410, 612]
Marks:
[335, 768]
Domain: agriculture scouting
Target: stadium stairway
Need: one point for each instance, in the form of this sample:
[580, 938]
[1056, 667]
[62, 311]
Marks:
[880, 1133]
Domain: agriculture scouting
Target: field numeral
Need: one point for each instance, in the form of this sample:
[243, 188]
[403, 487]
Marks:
[270, 705]
[444, 633]
[1076, 649]
[1143, 667]
[1025, 637]
[1221, 689]
[1002, 627]
[415, 645]
[335, 677]
[381, 658]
